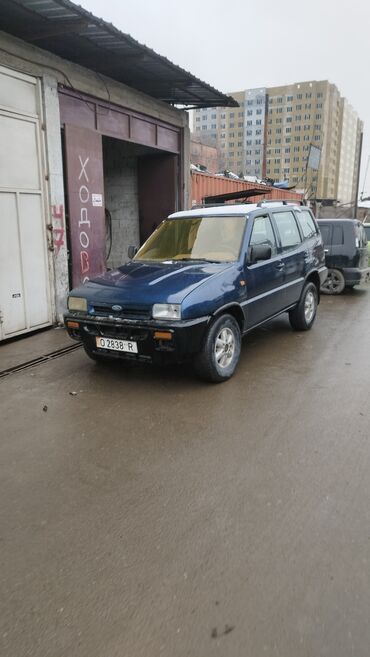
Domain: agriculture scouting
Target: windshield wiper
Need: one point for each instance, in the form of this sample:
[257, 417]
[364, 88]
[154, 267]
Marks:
[196, 260]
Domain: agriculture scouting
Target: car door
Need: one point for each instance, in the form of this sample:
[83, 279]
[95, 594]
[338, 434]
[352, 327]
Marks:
[264, 278]
[292, 254]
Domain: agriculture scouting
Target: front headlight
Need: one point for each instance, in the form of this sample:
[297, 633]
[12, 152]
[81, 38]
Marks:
[166, 311]
[77, 303]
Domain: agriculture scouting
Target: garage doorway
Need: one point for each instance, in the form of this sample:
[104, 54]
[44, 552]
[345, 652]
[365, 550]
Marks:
[141, 188]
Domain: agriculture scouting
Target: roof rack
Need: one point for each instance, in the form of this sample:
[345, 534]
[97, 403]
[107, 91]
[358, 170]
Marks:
[283, 201]
[244, 194]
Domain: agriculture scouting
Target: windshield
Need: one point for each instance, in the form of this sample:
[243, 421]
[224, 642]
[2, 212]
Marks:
[215, 239]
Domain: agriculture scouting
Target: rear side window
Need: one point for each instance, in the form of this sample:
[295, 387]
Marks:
[325, 231]
[263, 233]
[306, 223]
[367, 231]
[288, 229]
[337, 238]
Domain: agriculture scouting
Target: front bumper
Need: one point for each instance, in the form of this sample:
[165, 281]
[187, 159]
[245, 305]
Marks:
[355, 276]
[187, 336]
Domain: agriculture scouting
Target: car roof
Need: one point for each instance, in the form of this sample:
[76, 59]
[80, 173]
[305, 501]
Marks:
[338, 220]
[230, 210]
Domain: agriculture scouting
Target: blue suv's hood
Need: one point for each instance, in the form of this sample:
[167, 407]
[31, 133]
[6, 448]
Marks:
[147, 283]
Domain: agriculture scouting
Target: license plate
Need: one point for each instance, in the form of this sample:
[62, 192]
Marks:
[117, 345]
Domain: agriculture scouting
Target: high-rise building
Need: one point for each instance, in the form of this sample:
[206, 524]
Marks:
[272, 132]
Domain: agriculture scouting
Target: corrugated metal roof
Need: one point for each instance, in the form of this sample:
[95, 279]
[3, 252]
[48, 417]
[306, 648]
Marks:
[68, 30]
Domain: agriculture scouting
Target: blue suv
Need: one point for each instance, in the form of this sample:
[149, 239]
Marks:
[203, 280]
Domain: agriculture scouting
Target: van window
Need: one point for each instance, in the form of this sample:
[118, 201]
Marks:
[288, 229]
[325, 231]
[306, 223]
[337, 237]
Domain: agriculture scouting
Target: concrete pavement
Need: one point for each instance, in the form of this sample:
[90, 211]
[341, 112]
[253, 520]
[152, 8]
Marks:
[153, 515]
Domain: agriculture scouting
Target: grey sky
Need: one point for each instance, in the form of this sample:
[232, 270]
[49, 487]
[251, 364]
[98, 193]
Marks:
[241, 44]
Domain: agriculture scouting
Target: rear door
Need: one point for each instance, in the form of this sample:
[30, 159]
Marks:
[292, 254]
[264, 278]
[361, 246]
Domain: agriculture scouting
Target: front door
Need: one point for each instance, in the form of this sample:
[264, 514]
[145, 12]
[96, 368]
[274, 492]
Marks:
[264, 278]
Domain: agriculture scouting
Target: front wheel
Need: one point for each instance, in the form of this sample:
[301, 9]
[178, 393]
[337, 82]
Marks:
[334, 283]
[303, 315]
[220, 354]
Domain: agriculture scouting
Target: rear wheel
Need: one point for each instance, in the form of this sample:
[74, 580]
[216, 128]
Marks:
[303, 315]
[220, 354]
[334, 283]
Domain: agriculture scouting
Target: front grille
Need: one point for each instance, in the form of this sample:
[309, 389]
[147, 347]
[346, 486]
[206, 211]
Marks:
[127, 312]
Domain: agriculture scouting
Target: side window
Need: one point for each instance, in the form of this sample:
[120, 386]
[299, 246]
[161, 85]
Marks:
[263, 233]
[306, 223]
[337, 237]
[288, 229]
[361, 235]
[325, 231]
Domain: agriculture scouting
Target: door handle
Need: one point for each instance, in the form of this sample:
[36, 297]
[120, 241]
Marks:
[280, 266]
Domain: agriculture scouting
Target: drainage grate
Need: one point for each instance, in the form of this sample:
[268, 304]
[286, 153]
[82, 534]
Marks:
[40, 359]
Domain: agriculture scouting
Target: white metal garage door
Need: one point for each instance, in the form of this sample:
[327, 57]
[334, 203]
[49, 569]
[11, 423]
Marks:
[24, 271]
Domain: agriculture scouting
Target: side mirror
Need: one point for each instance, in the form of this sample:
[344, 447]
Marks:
[132, 251]
[260, 252]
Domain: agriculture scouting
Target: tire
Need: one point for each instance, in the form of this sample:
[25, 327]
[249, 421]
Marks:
[217, 360]
[303, 315]
[334, 283]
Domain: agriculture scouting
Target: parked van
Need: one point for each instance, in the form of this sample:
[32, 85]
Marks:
[346, 254]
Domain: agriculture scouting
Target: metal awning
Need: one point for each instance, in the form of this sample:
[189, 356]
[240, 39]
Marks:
[68, 30]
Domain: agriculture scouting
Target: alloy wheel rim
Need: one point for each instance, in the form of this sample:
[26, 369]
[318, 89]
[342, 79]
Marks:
[309, 306]
[225, 347]
[332, 282]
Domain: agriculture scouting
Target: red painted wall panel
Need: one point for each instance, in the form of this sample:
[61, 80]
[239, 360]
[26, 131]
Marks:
[85, 187]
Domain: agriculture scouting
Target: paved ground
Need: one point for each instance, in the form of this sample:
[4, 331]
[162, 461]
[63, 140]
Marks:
[153, 515]
[28, 348]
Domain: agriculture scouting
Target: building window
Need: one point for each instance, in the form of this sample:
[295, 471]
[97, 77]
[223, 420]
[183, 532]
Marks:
[318, 117]
[213, 116]
[288, 140]
[258, 122]
[258, 132]
[249, 112]
[319, 94]
[258, 141]
[297, 139]
[232, 125]
[299, 96]
[240, 114]
[223, 116]
[289, 109]
[288, 130]
[204, 118]
[297, 128]
[259, 111]
[288, 119]
[249, 132]
[289, 98]
[308, 95]
[307, 106]
[299, 107]
[197, 119]
[278, 131]
[213, 126]
[318, 105]
[298, 117]
[249, 122]
[231, 115]
[287, 160]
[250, 102]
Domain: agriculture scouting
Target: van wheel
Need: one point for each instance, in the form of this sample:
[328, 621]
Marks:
[220, 354]
[334, 283]
[303, 315]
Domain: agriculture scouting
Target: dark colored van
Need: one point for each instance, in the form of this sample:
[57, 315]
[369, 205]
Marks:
[203, 280]
[346, 254]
